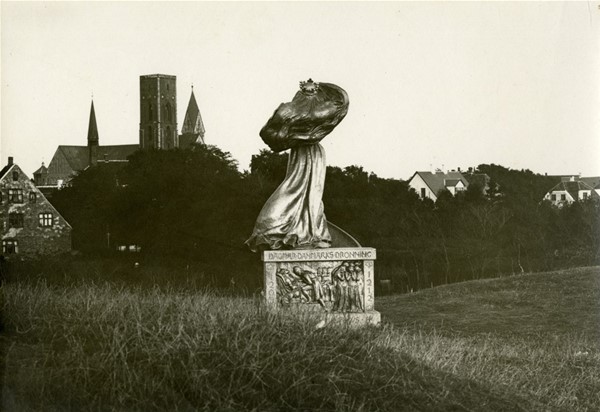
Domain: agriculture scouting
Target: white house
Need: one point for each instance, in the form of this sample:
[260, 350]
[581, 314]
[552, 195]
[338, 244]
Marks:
[572, 189]
[429, 185]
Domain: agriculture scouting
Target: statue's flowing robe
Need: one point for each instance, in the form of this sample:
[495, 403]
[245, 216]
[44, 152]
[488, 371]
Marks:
[293, 216]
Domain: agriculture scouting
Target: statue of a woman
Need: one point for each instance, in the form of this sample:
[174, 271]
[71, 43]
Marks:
[293, 217]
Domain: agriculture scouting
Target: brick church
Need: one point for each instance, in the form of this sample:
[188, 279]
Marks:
[157, 130]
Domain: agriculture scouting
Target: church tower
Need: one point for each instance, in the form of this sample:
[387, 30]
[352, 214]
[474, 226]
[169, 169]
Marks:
[158, 112]
[92, 138]
[193, 127]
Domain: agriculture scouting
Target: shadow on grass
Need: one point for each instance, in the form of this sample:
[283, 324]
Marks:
[101, 347]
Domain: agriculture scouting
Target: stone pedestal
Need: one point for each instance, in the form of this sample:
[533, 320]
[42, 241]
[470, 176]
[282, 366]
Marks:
[337, 283]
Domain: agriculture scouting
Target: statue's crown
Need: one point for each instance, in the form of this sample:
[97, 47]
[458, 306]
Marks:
[309, 87]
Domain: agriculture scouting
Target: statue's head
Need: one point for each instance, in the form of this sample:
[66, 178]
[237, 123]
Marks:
[315, 110]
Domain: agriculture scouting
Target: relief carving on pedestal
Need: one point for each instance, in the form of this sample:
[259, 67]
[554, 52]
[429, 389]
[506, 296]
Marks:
[334, 286]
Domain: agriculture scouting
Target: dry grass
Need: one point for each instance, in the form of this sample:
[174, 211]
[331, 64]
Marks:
[538, 335]
[98, 346]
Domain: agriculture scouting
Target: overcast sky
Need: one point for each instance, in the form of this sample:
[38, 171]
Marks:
[453, 84]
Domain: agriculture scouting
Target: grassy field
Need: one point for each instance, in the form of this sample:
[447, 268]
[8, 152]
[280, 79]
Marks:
[529, 342]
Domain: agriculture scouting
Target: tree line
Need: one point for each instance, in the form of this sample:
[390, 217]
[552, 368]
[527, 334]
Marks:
[196, 206]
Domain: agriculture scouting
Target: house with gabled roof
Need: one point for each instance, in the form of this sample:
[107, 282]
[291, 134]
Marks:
[30, 225]
[428, 185]
[572, 189]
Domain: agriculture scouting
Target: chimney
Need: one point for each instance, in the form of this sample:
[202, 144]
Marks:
[10, 160]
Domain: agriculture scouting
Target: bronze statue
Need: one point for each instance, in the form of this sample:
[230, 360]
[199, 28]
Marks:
[293, 217]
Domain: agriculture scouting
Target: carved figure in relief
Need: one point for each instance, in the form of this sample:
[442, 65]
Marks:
[326, 283]
[312, 283]
[351, 287]
[359, 277]
[354, 287]
[341, 289]
[331, 285]
[291, 286]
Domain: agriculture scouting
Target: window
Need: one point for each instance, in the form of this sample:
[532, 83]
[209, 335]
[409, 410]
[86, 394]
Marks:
[563, 197]
[169, 112]
[45, 219]
[585, 195]
[15, 195]
[15, 220]
[10, 246]
[32, 197]
[0, 196]
[15, 176]
[553, 197]
[150, 111]
[423, 192]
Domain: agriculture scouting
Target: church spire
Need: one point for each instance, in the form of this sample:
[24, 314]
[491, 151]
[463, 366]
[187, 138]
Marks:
[93, 139]
[192, 123]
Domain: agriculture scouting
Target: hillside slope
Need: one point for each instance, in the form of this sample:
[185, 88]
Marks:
[504, 345]
[553, 303]
[538, 334]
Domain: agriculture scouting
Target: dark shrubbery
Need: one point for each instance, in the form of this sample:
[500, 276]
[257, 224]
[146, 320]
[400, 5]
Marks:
[193, 208]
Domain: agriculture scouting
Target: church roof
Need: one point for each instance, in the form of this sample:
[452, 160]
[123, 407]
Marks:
[192, 123]
[93, 127]
[116, 152]
[78, 156]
